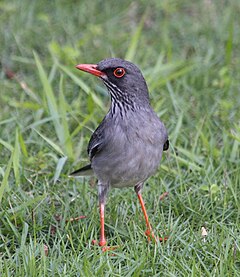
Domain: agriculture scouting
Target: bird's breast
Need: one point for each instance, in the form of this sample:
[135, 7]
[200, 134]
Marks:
[132, 153]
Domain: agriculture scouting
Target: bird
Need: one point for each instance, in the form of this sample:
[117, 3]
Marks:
[126, 148]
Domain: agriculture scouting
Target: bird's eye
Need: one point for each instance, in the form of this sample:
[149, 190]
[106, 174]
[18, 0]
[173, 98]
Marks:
[119, 72]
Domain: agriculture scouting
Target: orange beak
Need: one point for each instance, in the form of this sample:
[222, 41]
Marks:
[91, 68]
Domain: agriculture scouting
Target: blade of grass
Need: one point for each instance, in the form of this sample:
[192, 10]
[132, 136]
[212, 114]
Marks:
[51, 100]
[132, 49]
[180, 72]
[22, 145]
[175, 134]
[59, 168]
[4, 184]
[63, 113]
[191, 155]
[83, 86]
[24, 235]
[51, 143]
[16, 159]
[229, 44]
[32, 202]
[6, 145]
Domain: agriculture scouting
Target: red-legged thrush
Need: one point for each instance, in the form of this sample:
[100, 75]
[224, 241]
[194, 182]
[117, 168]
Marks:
[126, 148]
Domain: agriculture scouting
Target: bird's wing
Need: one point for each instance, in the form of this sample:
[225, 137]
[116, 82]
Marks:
[97, 140]
[166, 145]
[95, 145]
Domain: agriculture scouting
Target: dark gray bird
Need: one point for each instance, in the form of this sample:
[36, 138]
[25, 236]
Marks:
[126, 148]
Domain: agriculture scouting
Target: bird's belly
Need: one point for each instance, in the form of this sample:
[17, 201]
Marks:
[127, 167]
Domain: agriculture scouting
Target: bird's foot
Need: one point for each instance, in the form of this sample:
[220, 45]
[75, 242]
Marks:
[103, 243]
[109, 248]
[163, 196]
[72, 219]
[163, 239]
[150, 236]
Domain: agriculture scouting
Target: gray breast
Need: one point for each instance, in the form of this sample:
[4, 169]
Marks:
[133, 150]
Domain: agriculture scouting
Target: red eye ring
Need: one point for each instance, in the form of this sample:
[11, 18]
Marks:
[119, 72]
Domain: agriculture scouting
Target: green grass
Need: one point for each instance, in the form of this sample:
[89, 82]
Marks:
[189, 54]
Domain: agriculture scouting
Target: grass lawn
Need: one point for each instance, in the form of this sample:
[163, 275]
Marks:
[189, 53]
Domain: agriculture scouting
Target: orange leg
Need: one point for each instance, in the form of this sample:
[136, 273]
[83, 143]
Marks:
[149, 231]
[102, 240]
[102, 193]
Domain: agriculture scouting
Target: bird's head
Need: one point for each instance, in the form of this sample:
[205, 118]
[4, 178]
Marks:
[123, 80]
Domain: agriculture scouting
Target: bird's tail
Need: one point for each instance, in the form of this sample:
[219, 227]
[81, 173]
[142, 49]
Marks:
[84, 171]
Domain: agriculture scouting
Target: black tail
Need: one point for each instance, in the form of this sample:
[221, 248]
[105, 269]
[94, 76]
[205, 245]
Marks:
[84, 171]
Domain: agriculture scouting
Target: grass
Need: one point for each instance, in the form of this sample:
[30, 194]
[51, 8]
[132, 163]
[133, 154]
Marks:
[189, 54]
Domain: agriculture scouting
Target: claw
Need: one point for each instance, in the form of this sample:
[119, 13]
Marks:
[109, 248]
[94, 242]
[150, 235]
[163, 239]
[104, 248]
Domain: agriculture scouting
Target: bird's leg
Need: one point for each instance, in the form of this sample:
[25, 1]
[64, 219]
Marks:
[149, 231]
[102, 195]
[102, 240]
